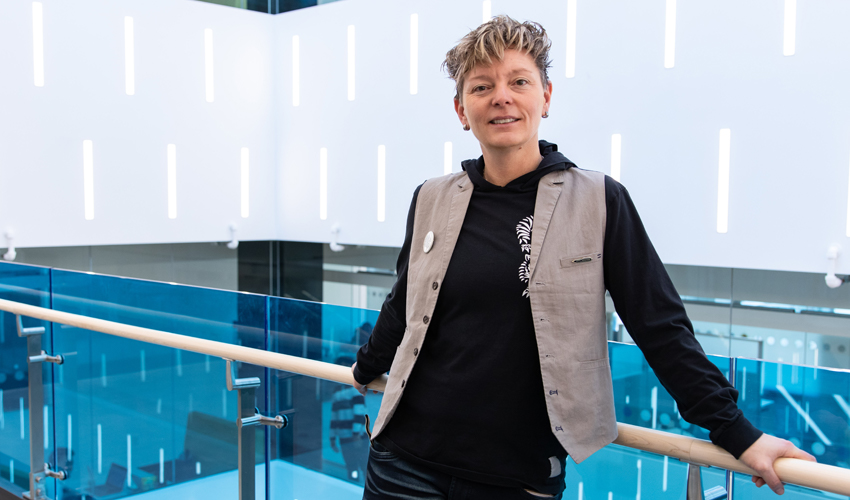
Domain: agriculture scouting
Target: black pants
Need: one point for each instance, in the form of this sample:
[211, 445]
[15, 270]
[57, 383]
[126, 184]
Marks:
[389, 477]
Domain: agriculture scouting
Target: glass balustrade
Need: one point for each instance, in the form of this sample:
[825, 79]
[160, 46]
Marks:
[126, 418]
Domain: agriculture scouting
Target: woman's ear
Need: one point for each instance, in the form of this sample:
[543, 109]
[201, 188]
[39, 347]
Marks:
[547, 96]
[461, 114]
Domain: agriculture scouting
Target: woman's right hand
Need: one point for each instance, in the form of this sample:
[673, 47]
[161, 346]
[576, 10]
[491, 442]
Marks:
[357, 385]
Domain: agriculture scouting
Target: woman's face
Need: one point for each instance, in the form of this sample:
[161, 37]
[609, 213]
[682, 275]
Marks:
[503, 102]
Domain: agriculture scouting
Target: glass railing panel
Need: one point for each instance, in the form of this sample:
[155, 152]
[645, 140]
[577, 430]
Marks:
[617, 472]
[810, 407]
[325, 448]
[639, 397]
[162, 414]
[30, 285]
[745, 489]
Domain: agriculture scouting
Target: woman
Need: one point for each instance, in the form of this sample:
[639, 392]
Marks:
[505, 267]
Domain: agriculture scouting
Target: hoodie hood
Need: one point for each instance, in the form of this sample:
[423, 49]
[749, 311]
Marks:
[551, 162]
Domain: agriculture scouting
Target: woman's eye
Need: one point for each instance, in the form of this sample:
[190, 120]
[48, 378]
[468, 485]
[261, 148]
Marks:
[478, 88]
[522, 81]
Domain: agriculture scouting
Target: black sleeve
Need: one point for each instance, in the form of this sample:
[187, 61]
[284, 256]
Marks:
[376, 356]
[655, 317]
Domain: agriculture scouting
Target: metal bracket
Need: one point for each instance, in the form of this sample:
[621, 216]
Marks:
[55, 474]
[280, 421]
[44, 357]
[234, 383]
[37, 484]
[26, 332]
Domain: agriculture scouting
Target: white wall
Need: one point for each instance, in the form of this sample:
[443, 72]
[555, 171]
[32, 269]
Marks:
[789, 118]
[42, 129]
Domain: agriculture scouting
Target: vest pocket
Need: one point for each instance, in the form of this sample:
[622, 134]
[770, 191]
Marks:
[582, 274]
[581, 260]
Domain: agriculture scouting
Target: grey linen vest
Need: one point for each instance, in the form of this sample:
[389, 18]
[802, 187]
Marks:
[566, 289]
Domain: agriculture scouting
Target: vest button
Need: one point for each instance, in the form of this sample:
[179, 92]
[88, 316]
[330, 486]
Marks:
[426, 319]
[416, 351]
[434, 285]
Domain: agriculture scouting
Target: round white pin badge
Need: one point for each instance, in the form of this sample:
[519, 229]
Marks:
[429, 242]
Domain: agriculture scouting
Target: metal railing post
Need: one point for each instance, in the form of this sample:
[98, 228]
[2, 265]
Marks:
[39, 470]
[249, 417]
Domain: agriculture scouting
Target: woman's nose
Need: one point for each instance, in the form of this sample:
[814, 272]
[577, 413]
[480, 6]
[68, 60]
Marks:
[502, 95]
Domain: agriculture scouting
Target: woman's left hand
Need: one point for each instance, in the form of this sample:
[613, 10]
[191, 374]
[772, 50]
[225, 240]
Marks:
[761, 455]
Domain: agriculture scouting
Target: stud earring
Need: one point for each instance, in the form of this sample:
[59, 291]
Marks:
[466, 127]
[545, 114]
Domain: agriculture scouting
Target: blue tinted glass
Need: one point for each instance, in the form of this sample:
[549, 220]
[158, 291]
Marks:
[30, 285]
[639, 397]
[326, 433]
[807, 406]
[745, 489]
[162, 414]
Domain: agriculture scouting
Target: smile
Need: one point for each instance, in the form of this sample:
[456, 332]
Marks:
[504, 120]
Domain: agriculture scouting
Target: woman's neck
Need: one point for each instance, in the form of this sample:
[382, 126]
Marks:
[501, 166]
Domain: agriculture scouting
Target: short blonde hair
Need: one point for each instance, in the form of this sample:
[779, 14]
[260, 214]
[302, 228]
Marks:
[490, 40]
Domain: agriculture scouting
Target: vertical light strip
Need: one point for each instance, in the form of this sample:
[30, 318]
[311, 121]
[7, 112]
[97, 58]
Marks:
[38, 43]
[848, 209]
[99, 449]
[129, 460]
[162, 466]
[414, 54]
[244, 182]
[670, 35]
[129, 57]
[296, 70]
[723, 181]
[616, 153]
[88, 179]
[323, 183]
[208, 64]
[571, 38]
[790, 38]
[640, 470]
[447, 160]
[351, 62]
[486, 11]
[70, 436]
[172, 182]
[382, 184]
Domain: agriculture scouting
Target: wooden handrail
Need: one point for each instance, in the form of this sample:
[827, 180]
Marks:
[792, 471]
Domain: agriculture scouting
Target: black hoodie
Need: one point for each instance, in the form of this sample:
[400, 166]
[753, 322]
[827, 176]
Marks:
[473, 406]
[476, 384]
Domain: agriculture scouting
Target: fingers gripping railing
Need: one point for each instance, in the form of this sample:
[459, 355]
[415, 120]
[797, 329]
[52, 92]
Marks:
[689, 450]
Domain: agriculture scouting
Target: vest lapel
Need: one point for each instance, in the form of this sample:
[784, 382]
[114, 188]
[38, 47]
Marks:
[548, 191]
[457, 212]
